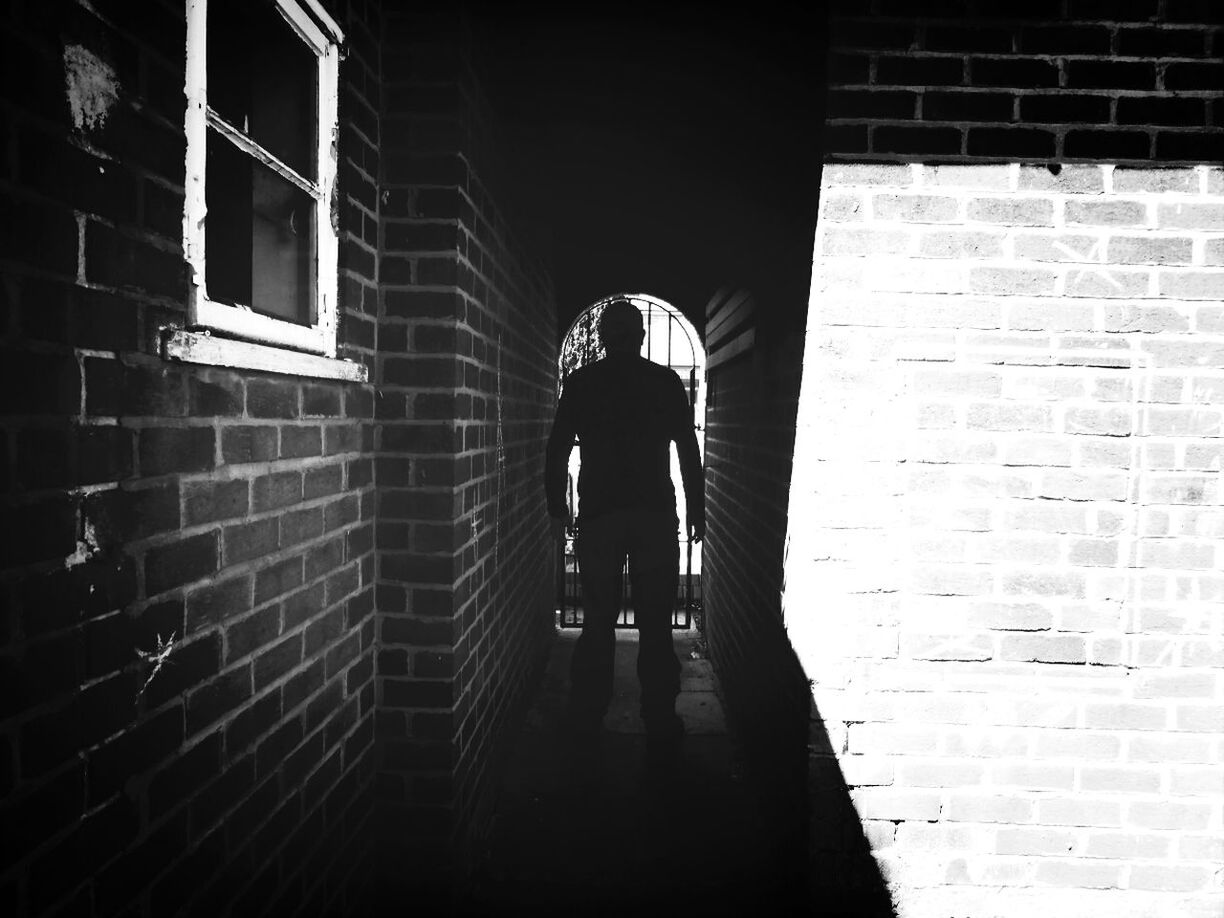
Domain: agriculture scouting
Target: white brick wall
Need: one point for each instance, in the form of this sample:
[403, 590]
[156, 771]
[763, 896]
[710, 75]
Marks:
[1005, 548]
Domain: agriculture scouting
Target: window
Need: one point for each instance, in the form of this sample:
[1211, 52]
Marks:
[258, 231]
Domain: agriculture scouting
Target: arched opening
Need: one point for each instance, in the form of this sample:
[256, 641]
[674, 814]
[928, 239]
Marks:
[672, 341]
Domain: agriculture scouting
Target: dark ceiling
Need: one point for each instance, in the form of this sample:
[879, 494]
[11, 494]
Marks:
[662, 149]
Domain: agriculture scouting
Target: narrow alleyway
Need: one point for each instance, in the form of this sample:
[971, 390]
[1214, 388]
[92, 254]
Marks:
[620, 828]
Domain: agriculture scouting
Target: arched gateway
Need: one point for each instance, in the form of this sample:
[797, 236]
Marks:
[672, 341]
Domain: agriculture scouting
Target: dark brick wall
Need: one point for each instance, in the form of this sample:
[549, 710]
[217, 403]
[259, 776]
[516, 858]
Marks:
[750, 426]
[467, 384]
[1059, 80]
[229, 513]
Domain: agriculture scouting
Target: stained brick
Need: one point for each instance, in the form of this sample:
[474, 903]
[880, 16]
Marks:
[251, 540]
[181, 562]
[276, 490]
[209, 501]
[217, 698]
[218, 602]
[272, 399]
[248, 443]
[176, 449]
[278, 579]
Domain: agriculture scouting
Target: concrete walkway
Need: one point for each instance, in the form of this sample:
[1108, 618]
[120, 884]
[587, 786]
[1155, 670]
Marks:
[616, 827]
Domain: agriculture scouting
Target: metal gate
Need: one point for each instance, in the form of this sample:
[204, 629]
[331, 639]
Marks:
[569, 589]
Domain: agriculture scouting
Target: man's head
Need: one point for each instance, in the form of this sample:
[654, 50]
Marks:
[620, 328]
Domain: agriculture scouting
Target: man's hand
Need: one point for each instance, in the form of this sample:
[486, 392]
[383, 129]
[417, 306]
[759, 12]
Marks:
[696, 530]
[557, 527]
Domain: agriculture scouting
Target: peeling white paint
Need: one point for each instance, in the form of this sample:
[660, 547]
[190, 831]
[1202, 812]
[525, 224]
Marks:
[91, 86]
[87, 547]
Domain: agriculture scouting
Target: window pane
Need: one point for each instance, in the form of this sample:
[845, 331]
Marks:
[263, 79]
[259, 236]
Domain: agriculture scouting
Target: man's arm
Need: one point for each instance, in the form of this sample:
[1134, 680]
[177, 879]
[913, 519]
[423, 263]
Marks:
[556, 465]
[691, 474]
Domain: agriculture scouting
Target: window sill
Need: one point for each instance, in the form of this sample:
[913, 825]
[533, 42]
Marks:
[202, 347]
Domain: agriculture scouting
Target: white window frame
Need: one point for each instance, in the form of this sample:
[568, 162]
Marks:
[235, 335]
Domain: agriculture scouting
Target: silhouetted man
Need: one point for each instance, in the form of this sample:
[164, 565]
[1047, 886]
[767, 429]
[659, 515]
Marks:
[625, 411]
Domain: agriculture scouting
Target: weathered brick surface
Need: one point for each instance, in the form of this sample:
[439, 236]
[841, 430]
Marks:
[1004, 562]
[1003, 549]
[225, 513]
[467, 383]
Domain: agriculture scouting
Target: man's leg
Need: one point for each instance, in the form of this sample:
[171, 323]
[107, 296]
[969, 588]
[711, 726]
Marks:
[654, 573]
[601, 557]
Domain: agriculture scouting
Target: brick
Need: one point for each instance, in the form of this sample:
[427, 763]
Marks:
[1043, 648]
[278, 489]
[1169, 878]
[252, 722]
[245, 541]
[248, 443]
[864, 104]
[277, 661]
[244, 635]
[321, 401]
[152, 391]
[1012, 281]
[923, 139]
[841, 207]
[176, 449]
[81, 853]
[278, 579]
[119, 515]
[946, 37]
[1106, 213]
[1149, 250]
[1012, 211]
[1107, 144]
[847, 69]
[969, 807]
[217, 698]
[1187, 75]
[178, 563]
[297, 442]
[1069, 39]
[1062, 108]
[104, 454]
[1018, 142]
[1170, 748]
[914, 208]
[1079, 811]
[115, 259]
[870, 174]
[39, 235]
[209, 501]
[967, 106]
[185, 774]
[216, 602]
[1125, 716]
[300, 525]
[1024, 73]
[960, 244]
[1192, 285]
[1111, 74]
[1079, 874]
[272, 399]
[1165, 686]
[321, 482]
[1163, 111]
[217, 397]
[1030, 841]
[1167, 814]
